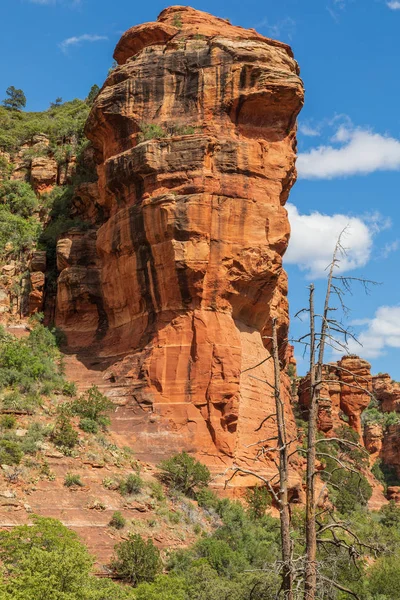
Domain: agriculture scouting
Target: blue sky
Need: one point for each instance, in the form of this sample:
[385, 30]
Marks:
[349, 137]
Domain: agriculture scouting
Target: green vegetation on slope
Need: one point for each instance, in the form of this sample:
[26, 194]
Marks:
[63, 124]
[235, 556]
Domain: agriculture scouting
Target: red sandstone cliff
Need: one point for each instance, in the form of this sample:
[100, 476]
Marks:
[178, 278]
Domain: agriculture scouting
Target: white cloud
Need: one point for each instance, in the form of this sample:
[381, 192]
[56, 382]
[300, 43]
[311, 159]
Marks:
[281, 29]
[360, 152]
[381, 332]
[314, 237]
[308, 130]
[77, 40]
[394, 5]
[389, 248]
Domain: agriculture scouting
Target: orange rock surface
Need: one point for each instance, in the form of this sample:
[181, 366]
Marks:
[346, 390]
[387, 392]
[175, 284]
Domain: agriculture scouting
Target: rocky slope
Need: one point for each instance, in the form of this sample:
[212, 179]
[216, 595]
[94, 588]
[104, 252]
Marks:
[172, 288]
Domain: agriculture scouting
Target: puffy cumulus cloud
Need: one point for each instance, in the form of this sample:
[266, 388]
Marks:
[359, 152]
[314, 237]
[378, 334]
[394, 5]
[77, 40]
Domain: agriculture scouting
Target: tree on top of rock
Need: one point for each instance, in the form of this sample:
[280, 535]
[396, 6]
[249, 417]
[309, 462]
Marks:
[94, 91]
[16, 99]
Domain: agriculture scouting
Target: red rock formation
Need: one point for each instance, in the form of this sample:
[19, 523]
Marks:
[373, 436]
[43, 174]
[191, 230]
[393, 493]
[390, 452]
[347, 389]
[387, 392]
[37, 278]
[356, 390]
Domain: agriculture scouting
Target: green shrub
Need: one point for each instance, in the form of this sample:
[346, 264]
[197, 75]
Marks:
[174, 517]
[64, 434]
[177, 21]
[133, 484]
[110, 484]
[17, 234]
[44, 560]
[8, 421]
[69, 388]
[117, 521]
[156, 491]
[384, 578]
[151, 131]
[136, 561]
[164, 587]
[390, 514]
[72, 479]
[220, 556]
[386, 474]
[258, 500]
[374, 415]
[10, 452]
[184, 473]
[19, 403]
[5, 168]
[88, 426]
[28, 364]
[91, 405]
[18, 197]
[207, 499]
[35, 434]
[182, 130]
[351, 490]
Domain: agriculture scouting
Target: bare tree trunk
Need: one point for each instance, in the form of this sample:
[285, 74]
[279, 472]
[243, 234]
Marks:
[310, 575]
[287, 574]
[310, 580]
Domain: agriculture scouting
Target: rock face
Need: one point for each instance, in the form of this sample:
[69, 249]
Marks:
[390, 452]
[37, 278]
[181, 274]
[35, 163]
[387, 392]
[373, 436]
[346, 391]
[382, 440]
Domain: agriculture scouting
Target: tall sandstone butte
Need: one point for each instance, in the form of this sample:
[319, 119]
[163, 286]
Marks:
[178, 279]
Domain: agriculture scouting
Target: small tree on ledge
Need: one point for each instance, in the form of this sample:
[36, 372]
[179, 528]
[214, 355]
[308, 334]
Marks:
[16, 99]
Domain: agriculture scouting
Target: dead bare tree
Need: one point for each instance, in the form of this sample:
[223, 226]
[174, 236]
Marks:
[304, 571]
[283, 449]
[327, 335]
